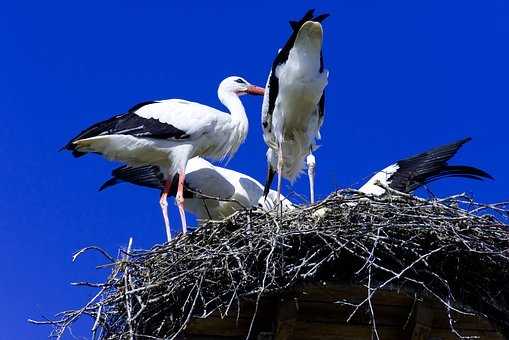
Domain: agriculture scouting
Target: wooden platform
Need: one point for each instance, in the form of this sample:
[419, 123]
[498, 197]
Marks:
[314, 314]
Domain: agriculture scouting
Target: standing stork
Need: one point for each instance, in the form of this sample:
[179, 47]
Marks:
[167, 133]
[211, 192]
[408, 174]
[293, 106]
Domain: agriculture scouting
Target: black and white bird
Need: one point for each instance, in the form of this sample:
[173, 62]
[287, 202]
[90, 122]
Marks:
[211, 192]
[293, 106]
[407, 175]
[168, 133]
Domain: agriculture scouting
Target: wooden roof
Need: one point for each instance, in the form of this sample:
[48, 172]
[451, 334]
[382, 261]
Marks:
[314, 313]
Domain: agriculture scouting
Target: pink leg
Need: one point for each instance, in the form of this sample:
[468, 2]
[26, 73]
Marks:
[180, 200]
[163, 202]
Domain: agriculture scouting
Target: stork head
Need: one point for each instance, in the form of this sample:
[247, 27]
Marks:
[239, 86]
[310, 34]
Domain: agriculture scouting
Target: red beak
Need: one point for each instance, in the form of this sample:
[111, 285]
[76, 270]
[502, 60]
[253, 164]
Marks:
[255, 90]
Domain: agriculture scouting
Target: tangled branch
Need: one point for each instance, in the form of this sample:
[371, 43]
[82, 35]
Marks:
[442, 248]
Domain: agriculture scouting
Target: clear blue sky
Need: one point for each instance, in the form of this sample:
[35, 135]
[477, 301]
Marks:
[404, 77]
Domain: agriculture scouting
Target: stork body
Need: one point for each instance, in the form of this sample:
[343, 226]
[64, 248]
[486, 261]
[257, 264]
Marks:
[167, 133]
[293, 106]
[211, 192]
[409, 174]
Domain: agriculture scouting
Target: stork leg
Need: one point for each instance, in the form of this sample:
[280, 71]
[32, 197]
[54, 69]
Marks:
[279, 171]
[163, 202]
[180, 200]
[311, 162]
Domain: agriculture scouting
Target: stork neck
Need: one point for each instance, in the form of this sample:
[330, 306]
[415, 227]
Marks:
[237, 111]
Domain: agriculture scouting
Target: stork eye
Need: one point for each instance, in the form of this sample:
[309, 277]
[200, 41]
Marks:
[240, 81]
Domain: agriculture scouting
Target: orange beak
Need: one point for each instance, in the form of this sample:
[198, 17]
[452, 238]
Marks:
[255, 90]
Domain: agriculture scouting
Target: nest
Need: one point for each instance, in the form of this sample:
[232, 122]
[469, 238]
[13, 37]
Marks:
[452, 250]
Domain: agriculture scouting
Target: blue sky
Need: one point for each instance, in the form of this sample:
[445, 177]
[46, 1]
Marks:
[404, 76]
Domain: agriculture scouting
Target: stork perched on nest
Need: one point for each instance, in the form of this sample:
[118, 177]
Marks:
[167, 133]
[211, 192]
[293, 106]
[408, 174]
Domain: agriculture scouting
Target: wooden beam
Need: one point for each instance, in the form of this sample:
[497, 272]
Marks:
[286, 319]
[423, 321]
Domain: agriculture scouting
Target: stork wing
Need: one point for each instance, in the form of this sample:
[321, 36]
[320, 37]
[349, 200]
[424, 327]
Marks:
[149, 176]
[201, 177]
[412, 172]
[269, 102]
[192, 118]
[208, 181]
[167, 119]
[406, 175]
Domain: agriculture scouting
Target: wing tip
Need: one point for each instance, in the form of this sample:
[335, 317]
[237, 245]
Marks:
[464, 140]
[308, 16]
[109, 183]
[470, 170]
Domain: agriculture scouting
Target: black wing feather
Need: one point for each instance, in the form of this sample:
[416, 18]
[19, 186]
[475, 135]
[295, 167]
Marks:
[431, 165]
[321, 106]
[149, 176]
[461, 171]
[128, 124]
[268, 182]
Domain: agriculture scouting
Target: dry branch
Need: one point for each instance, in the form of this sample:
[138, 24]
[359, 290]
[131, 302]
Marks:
[442, 249]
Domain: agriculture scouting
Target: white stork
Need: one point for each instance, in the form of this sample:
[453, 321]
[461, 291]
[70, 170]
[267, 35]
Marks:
[408, 174]
[167, 133]
[293, 106]
[211, 192]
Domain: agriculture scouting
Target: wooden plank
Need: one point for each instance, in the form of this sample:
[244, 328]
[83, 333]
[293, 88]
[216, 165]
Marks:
[330, 331]
[353, 295]
[210, 337]
[313, 315]
[422, 321]
[386, 315]
[466, 322]
[446, 334]
[218, 327]
[235, 325]
[286, 319]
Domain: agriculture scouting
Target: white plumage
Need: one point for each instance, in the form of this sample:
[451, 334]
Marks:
[212, 192]
[168, 133]
[383, 177]
[292, 112]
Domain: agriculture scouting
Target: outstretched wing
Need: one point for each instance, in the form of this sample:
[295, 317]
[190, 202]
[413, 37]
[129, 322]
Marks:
[408, 174]
[415, 171]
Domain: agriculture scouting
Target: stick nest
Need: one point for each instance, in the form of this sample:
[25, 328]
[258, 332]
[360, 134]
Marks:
[453, 250]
